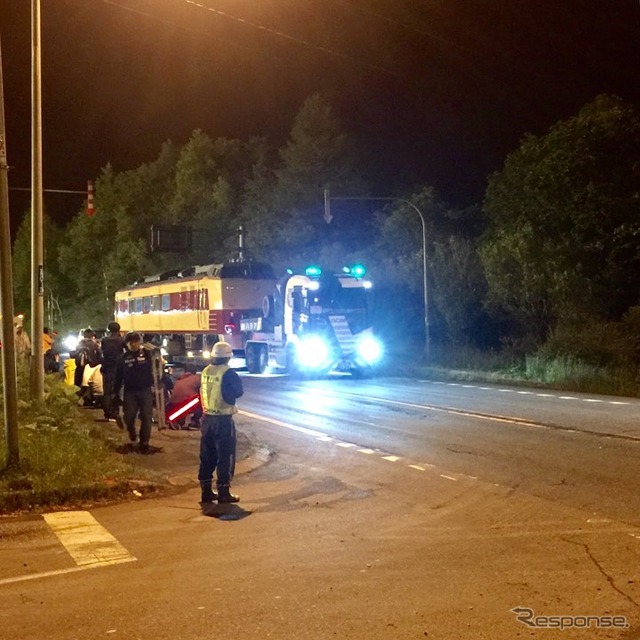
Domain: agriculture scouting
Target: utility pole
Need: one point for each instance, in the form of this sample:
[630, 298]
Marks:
[425, 291]
[37, 242]
[9, 377]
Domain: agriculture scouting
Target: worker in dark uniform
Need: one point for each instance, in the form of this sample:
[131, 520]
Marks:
[135, 375]
[220, 387]
[112, 348]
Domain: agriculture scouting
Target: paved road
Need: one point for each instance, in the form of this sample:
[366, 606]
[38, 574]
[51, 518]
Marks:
[389, 509]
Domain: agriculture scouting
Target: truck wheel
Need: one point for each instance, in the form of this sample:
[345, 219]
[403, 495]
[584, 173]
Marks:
[251, 356]
[257, 357]
[263, 358]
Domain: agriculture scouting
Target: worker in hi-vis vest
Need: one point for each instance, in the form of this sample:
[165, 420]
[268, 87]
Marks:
[220, 387]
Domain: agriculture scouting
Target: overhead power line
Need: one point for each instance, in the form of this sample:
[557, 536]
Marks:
[296, 40]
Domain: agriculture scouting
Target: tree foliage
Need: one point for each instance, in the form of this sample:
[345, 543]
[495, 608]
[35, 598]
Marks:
[209, 186]
[564, 234]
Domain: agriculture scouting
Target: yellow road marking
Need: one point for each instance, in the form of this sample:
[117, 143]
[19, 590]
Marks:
[86, 540]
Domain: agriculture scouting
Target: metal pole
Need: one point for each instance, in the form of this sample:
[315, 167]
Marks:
[37, 244]
[9, 377]
[427, 340]
[425, 291]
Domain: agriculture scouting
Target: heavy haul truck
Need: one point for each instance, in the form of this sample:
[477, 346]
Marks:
[311, 322]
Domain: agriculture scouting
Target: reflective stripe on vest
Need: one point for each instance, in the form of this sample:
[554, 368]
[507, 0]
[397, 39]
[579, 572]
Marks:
[211, 391]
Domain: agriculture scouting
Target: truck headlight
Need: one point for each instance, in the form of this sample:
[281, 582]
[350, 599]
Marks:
[369, 350]
[70, 342]
[313, 353]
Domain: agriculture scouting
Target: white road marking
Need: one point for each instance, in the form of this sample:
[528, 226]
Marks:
[46, 574]
[442, 475]
[346, 445]
[539, 395]
[391, 458]
[86, 540]
[367, 451]
[286, 425]
[417, 466]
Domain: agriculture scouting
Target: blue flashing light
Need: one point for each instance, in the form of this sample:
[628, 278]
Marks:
[313, 271]
[358, 270]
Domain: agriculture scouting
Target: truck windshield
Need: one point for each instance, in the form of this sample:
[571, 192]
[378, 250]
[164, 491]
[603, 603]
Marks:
[343, 298]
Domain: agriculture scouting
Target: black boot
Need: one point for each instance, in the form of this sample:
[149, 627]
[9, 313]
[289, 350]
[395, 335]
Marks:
[208, 494]
[225, 496]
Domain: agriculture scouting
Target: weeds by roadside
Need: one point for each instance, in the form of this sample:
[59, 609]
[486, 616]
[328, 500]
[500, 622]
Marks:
[65, 458]
[540, 370]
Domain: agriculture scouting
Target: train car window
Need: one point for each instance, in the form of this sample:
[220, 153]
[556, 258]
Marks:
[146, 304]
[138, 305]
[132, 305]
[155, 305]
[166, 301]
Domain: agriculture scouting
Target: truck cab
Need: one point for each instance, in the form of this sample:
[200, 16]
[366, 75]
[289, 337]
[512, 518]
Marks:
[314, 323]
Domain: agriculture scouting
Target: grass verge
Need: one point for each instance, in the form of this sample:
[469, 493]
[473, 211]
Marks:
[65, 459]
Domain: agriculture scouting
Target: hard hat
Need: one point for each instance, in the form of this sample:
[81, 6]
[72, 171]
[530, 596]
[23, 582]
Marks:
[221, 350]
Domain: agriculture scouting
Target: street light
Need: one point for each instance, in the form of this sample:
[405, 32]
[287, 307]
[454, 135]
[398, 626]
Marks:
[328, 217]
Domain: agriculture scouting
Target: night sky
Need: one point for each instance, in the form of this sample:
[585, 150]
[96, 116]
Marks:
[435, 91]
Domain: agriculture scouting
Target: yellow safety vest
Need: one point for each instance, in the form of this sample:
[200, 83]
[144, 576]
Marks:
[211, 391]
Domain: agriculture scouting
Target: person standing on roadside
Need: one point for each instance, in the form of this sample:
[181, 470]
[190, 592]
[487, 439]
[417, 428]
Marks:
[113, 347]
[220, 387]
[134, 375]
[23, 344]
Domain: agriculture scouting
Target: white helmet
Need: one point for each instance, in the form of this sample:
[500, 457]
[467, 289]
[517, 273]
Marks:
[221, 350]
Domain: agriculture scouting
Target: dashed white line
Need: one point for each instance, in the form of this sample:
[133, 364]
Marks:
[539, 395]
[442, 475]
[417, 466]
[366, 451]
[391, 458]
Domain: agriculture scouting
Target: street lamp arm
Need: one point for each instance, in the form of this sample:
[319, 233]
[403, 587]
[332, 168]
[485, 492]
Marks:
[327, 205]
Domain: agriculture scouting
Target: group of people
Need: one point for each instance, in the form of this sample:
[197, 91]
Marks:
[127, 380]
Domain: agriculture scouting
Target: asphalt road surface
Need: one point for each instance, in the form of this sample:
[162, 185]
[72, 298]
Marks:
[387, 508]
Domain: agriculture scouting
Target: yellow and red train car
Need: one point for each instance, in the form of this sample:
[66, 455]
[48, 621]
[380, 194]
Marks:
[190, 310]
